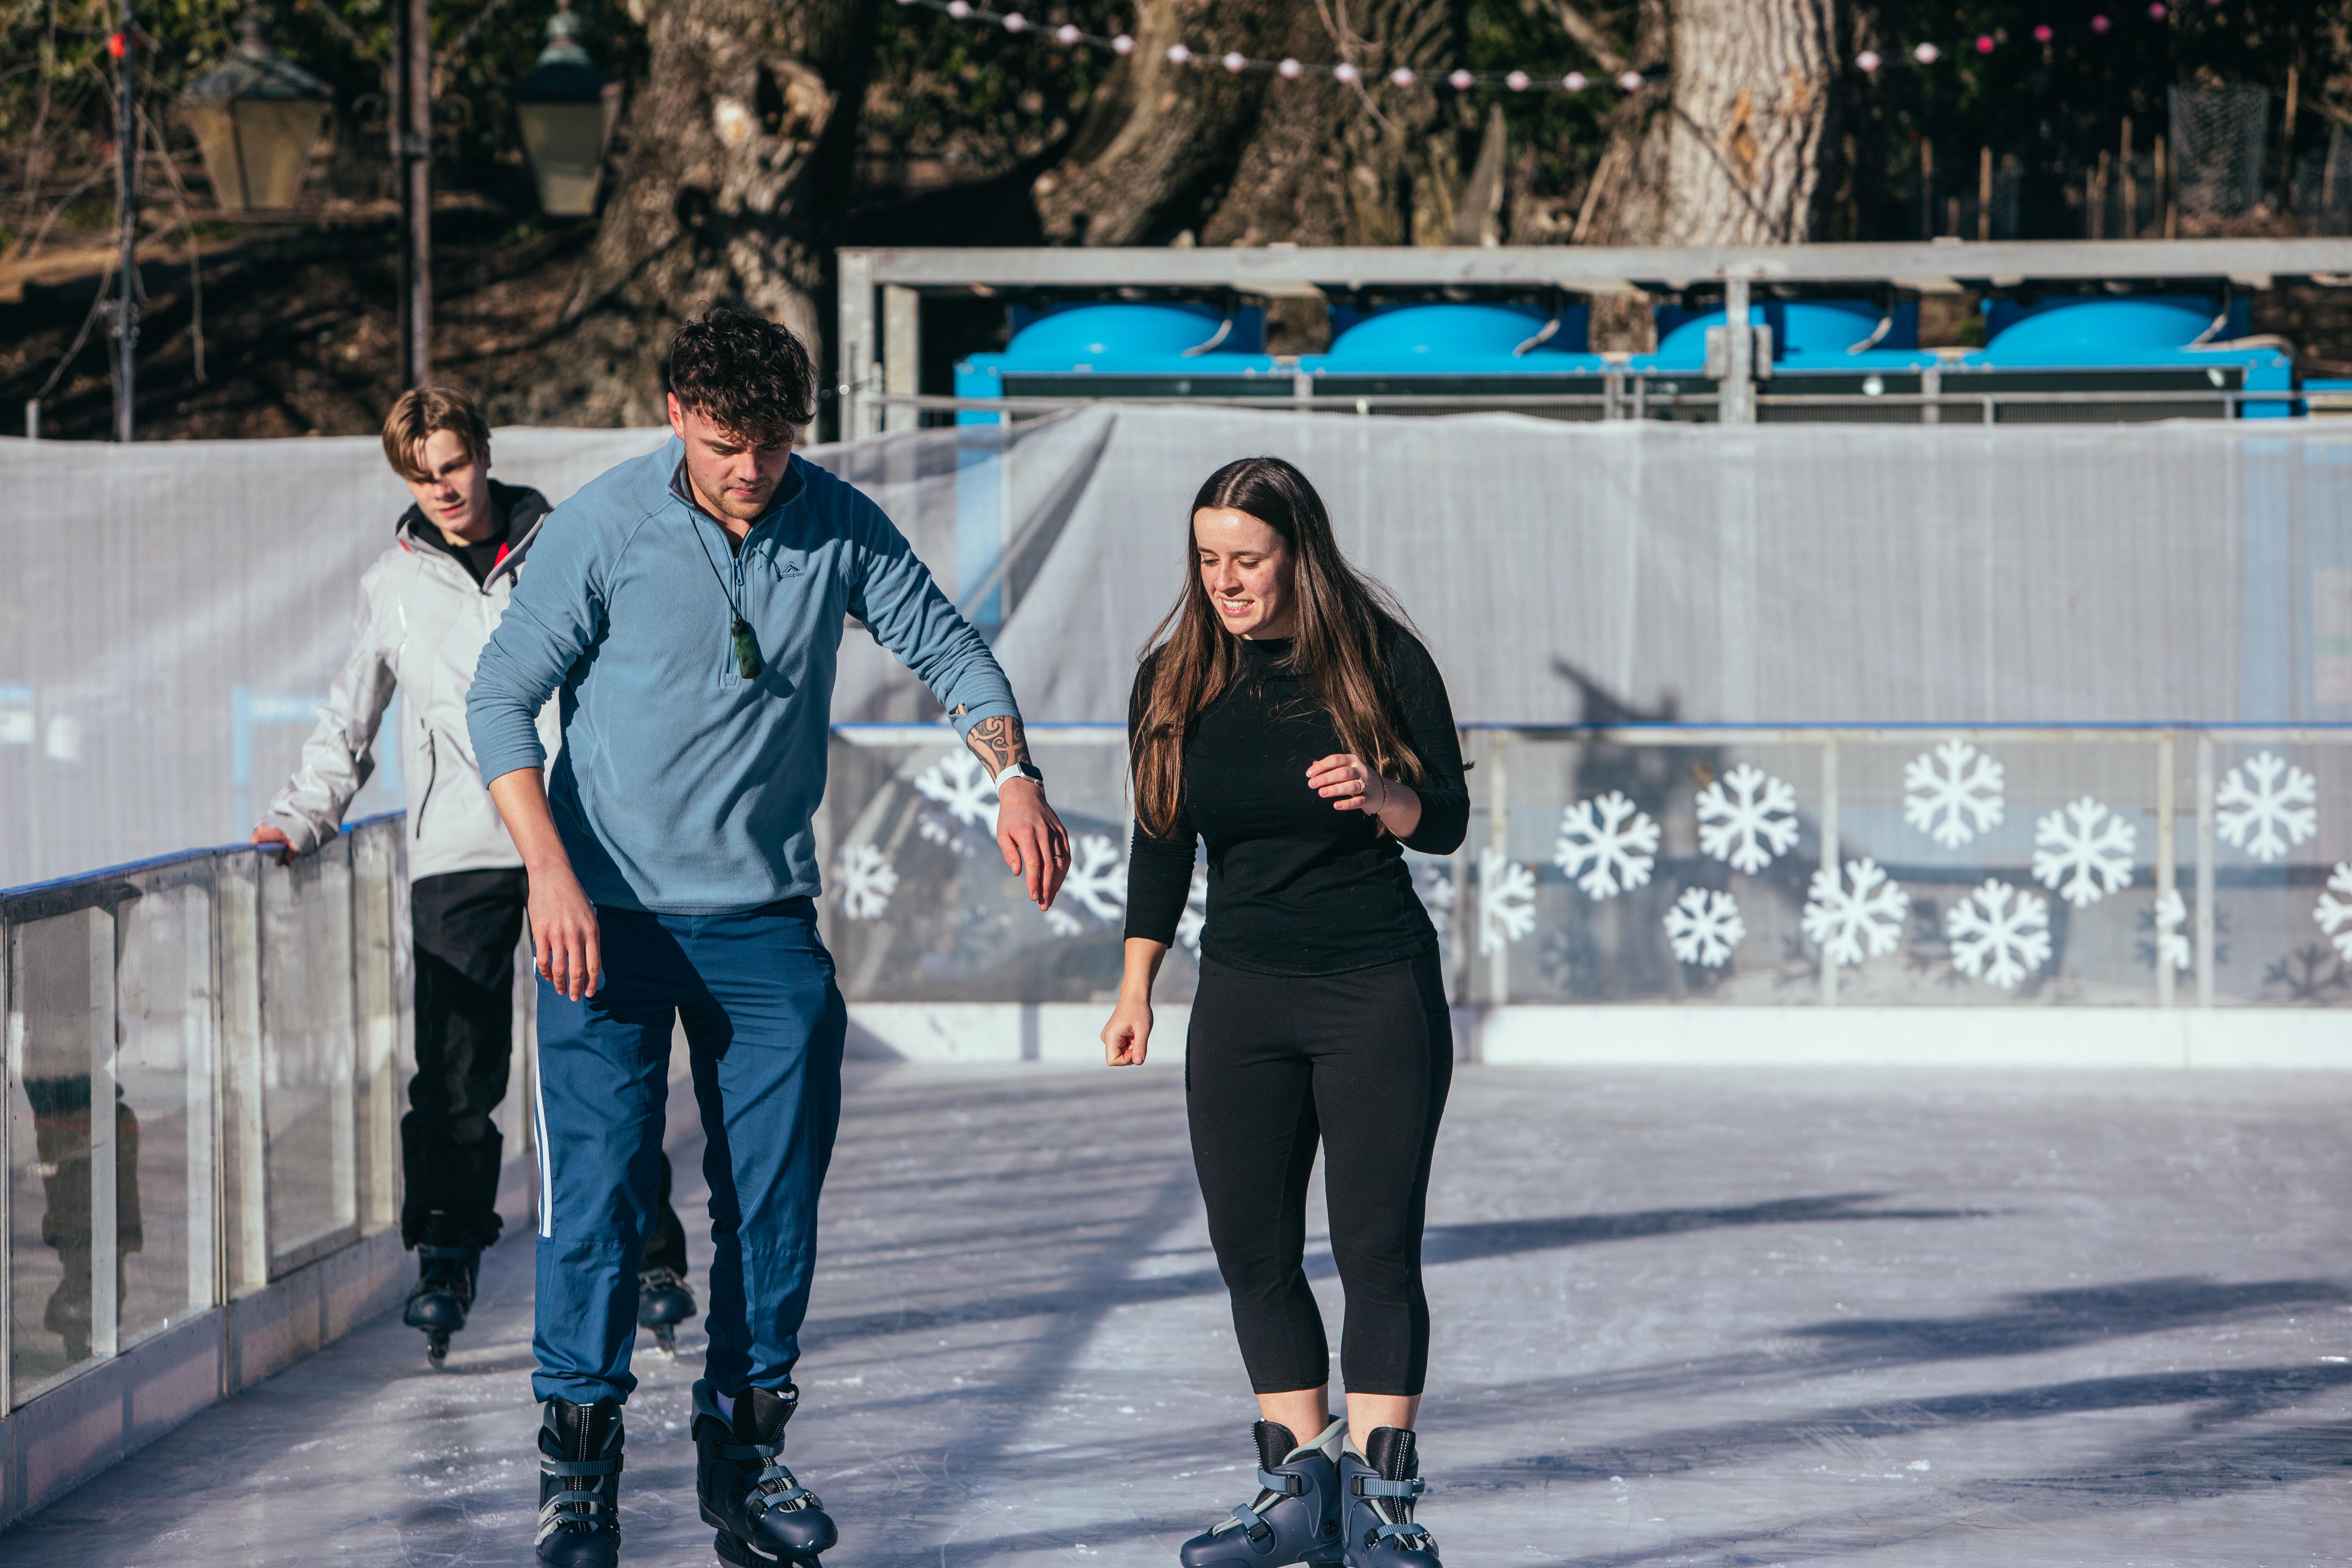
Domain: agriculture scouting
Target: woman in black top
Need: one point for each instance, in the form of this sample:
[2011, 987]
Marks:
[1286, 715]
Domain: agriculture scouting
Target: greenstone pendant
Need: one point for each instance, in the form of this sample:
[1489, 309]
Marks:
[747, 652]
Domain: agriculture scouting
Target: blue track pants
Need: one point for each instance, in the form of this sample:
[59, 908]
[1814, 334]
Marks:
[765, 1025]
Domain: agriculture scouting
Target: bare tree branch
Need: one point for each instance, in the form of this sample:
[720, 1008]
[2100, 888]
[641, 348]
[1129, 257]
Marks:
[360, 46]
[1590, 37]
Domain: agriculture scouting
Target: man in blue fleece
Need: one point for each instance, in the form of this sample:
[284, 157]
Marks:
[689, 606]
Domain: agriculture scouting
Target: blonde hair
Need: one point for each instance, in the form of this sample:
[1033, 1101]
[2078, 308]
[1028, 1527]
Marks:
[420, 412]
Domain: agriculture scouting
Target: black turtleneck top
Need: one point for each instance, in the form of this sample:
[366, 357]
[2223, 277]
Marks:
[1296, 888]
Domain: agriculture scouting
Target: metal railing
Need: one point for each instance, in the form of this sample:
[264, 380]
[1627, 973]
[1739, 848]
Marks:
[2160, 876]
[1627, 397]
[204, 1055]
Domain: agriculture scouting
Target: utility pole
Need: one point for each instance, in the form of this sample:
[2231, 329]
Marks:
[125, 45]
[412, 145]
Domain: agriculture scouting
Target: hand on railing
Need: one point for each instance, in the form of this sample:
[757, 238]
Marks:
[265, 833]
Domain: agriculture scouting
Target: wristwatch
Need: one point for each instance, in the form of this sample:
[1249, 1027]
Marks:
[1020, 771]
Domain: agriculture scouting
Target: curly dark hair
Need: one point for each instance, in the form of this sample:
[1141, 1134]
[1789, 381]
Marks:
[745, 374]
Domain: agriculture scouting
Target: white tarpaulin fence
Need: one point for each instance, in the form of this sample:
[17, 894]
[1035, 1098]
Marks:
[168, 615]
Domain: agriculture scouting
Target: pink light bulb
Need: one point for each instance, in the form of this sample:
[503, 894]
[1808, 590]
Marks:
[1289, 70]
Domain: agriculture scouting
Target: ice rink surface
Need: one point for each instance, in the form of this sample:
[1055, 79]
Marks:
[1701, 1318]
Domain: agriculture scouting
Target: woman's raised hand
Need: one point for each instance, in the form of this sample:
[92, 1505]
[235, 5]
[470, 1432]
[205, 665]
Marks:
[1349, 784]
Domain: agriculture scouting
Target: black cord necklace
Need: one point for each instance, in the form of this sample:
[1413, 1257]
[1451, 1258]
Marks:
[747, 647]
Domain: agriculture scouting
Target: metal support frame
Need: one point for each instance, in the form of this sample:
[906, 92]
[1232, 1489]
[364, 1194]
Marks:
[1499, 840]
[866, 376]
[852, 347]
[1735, 393]
[902, 351]
[2168, 879]
[1830, 868]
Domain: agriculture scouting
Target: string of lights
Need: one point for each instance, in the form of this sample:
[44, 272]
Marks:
[1068, 35]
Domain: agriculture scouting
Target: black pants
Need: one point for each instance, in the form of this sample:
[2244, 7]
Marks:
[1360, 1061]
[467, 925]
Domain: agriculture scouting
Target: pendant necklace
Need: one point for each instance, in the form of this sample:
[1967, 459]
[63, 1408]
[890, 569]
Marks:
[747, 647]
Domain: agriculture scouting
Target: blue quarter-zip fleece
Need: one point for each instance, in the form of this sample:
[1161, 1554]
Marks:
[683, 788]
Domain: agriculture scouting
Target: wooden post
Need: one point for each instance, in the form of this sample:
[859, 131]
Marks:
[2095, 201]
[2164, 185]
[902, 354]
[1927, 189]
[2286, 145]
[2128, 228]
[1984, 194]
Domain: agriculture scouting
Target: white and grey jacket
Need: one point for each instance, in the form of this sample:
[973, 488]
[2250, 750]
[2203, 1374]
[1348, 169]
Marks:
[421, 626]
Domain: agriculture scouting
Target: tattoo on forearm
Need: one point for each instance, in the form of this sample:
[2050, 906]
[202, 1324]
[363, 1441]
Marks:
[998, 743]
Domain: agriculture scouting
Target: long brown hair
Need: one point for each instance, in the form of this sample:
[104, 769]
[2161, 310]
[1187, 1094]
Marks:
[1345, 621]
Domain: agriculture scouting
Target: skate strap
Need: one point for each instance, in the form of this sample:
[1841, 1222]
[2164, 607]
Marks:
[750, 1450]
[548, 1466]
[1367, 1486]
[786, 1496]
[1406, 1534]
[1247, 1520]
[428, 1249]
[570, 1510]
[1288, 1486]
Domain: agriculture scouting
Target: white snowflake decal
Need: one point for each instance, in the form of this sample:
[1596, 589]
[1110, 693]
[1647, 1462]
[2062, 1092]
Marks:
[2172, 942]
[1196, 911]
[1868, 909]
[1998, 933]
[868, 882]
[1097, 878]
[2334, 918]
[1704, 926]
[1506, 900]
[960, 784]
[936, 828]
[2087, 847]
[2266, 808]
[1619, 842]
[1938, 799]
[1743, 825]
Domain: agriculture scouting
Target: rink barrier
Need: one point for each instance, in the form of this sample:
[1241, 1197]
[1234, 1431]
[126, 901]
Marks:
[942, 961]
[249, 1022]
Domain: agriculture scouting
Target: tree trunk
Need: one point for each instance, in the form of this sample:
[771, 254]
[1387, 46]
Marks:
[1729, 149]
[746, 119]
[1252, 160]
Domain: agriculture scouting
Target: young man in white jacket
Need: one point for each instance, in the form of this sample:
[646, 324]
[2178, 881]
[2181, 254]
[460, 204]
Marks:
[426, 607]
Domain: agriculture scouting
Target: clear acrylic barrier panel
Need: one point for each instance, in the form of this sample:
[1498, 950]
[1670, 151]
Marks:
[308, 1053]
[60, 1020]
[164, 1074]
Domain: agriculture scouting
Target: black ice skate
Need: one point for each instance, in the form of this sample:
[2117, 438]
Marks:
[580, 1484]
[762, 1515]
[664, 1301]
[447, 1265]
[1379, 1487]
[1295, 1518]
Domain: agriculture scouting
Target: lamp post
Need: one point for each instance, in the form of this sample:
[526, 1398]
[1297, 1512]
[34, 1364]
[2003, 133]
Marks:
[124, 46]
[567, 110]
[412, 146]
[256, 118]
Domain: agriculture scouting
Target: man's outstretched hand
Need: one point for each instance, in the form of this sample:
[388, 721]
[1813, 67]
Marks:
[1035, 842]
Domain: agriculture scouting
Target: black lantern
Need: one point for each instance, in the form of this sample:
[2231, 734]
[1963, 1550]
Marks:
[567, 110]
[256, 118]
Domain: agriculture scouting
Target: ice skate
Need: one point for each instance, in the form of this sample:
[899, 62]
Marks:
[580, 1484]
[762, 1515]
[664, 1301]
[444, 1293]
[1379, 1487]
[1295, 1518]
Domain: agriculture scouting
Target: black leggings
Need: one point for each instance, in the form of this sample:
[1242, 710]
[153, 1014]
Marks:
[1362, 1060]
